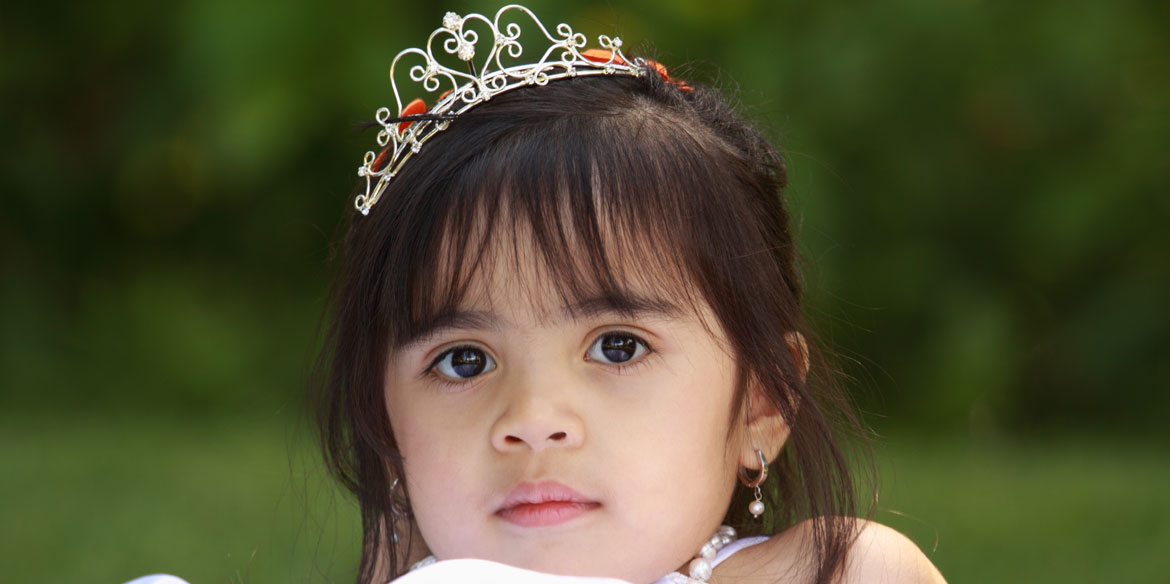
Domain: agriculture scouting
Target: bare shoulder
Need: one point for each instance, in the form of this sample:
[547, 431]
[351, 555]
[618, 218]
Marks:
[881, 555]
[878, 555]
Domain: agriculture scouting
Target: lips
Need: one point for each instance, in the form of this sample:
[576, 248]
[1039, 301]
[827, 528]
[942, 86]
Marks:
[544, 504]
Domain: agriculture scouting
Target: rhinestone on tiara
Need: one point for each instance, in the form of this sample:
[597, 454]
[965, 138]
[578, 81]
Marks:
[498, 70]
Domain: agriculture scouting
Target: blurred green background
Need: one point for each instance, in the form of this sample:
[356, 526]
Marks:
[981, 189]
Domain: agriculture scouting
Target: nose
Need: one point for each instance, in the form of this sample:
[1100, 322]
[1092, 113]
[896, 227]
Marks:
[535, 420]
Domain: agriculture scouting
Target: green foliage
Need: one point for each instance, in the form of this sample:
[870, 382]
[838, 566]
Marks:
[980, 191]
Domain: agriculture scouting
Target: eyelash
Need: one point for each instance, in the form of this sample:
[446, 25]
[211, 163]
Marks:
[619, 368]
[445, 382]
[624, 368]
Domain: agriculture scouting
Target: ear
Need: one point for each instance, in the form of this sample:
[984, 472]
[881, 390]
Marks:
[764, 427]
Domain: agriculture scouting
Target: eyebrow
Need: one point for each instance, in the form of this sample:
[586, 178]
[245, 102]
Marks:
[626, 305]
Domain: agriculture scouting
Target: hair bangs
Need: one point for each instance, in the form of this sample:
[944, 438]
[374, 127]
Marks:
[607, 204]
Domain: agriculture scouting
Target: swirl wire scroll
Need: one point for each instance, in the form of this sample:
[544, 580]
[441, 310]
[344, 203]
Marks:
[465, 89]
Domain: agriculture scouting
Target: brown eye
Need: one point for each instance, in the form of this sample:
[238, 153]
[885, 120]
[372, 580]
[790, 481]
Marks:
[616, 348]
[464, 363]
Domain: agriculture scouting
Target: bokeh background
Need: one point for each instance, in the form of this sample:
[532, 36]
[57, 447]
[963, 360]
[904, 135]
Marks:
[981, 189]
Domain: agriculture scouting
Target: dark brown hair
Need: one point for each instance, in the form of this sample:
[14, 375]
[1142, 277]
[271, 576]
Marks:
[594, 171]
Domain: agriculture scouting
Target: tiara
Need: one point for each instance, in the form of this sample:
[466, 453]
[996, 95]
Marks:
[500, 71]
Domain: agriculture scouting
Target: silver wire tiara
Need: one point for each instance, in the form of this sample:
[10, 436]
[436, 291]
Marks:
[498, 72]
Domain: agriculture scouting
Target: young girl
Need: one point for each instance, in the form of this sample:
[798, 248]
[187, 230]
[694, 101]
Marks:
[566, 334]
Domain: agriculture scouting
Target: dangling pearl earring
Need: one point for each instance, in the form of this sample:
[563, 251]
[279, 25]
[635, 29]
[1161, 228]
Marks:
[756, 508]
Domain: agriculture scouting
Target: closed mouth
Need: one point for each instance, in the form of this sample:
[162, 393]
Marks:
[543, 504]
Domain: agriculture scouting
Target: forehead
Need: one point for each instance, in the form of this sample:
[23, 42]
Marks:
[554, 272]
[537, 267]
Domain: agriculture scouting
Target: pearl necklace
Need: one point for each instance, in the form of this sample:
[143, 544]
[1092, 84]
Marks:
[700, 568]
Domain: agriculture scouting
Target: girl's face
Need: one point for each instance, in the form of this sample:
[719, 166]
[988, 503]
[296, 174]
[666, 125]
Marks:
[579, 440]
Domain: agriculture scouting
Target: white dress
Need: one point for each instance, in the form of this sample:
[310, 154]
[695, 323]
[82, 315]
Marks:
[468, 571]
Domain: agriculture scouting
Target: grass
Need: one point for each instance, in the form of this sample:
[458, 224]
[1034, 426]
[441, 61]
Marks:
[1065, 509]
[105, 499]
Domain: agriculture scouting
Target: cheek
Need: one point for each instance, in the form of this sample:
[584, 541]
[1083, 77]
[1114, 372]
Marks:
[423, 454]
[710, 411]
[436, 445]
[427, 436]
[677, 441]
[416, 437]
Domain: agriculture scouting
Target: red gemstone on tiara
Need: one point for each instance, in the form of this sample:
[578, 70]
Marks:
[382, 159]
[602, 56]
[660, 68]
[418, 106]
